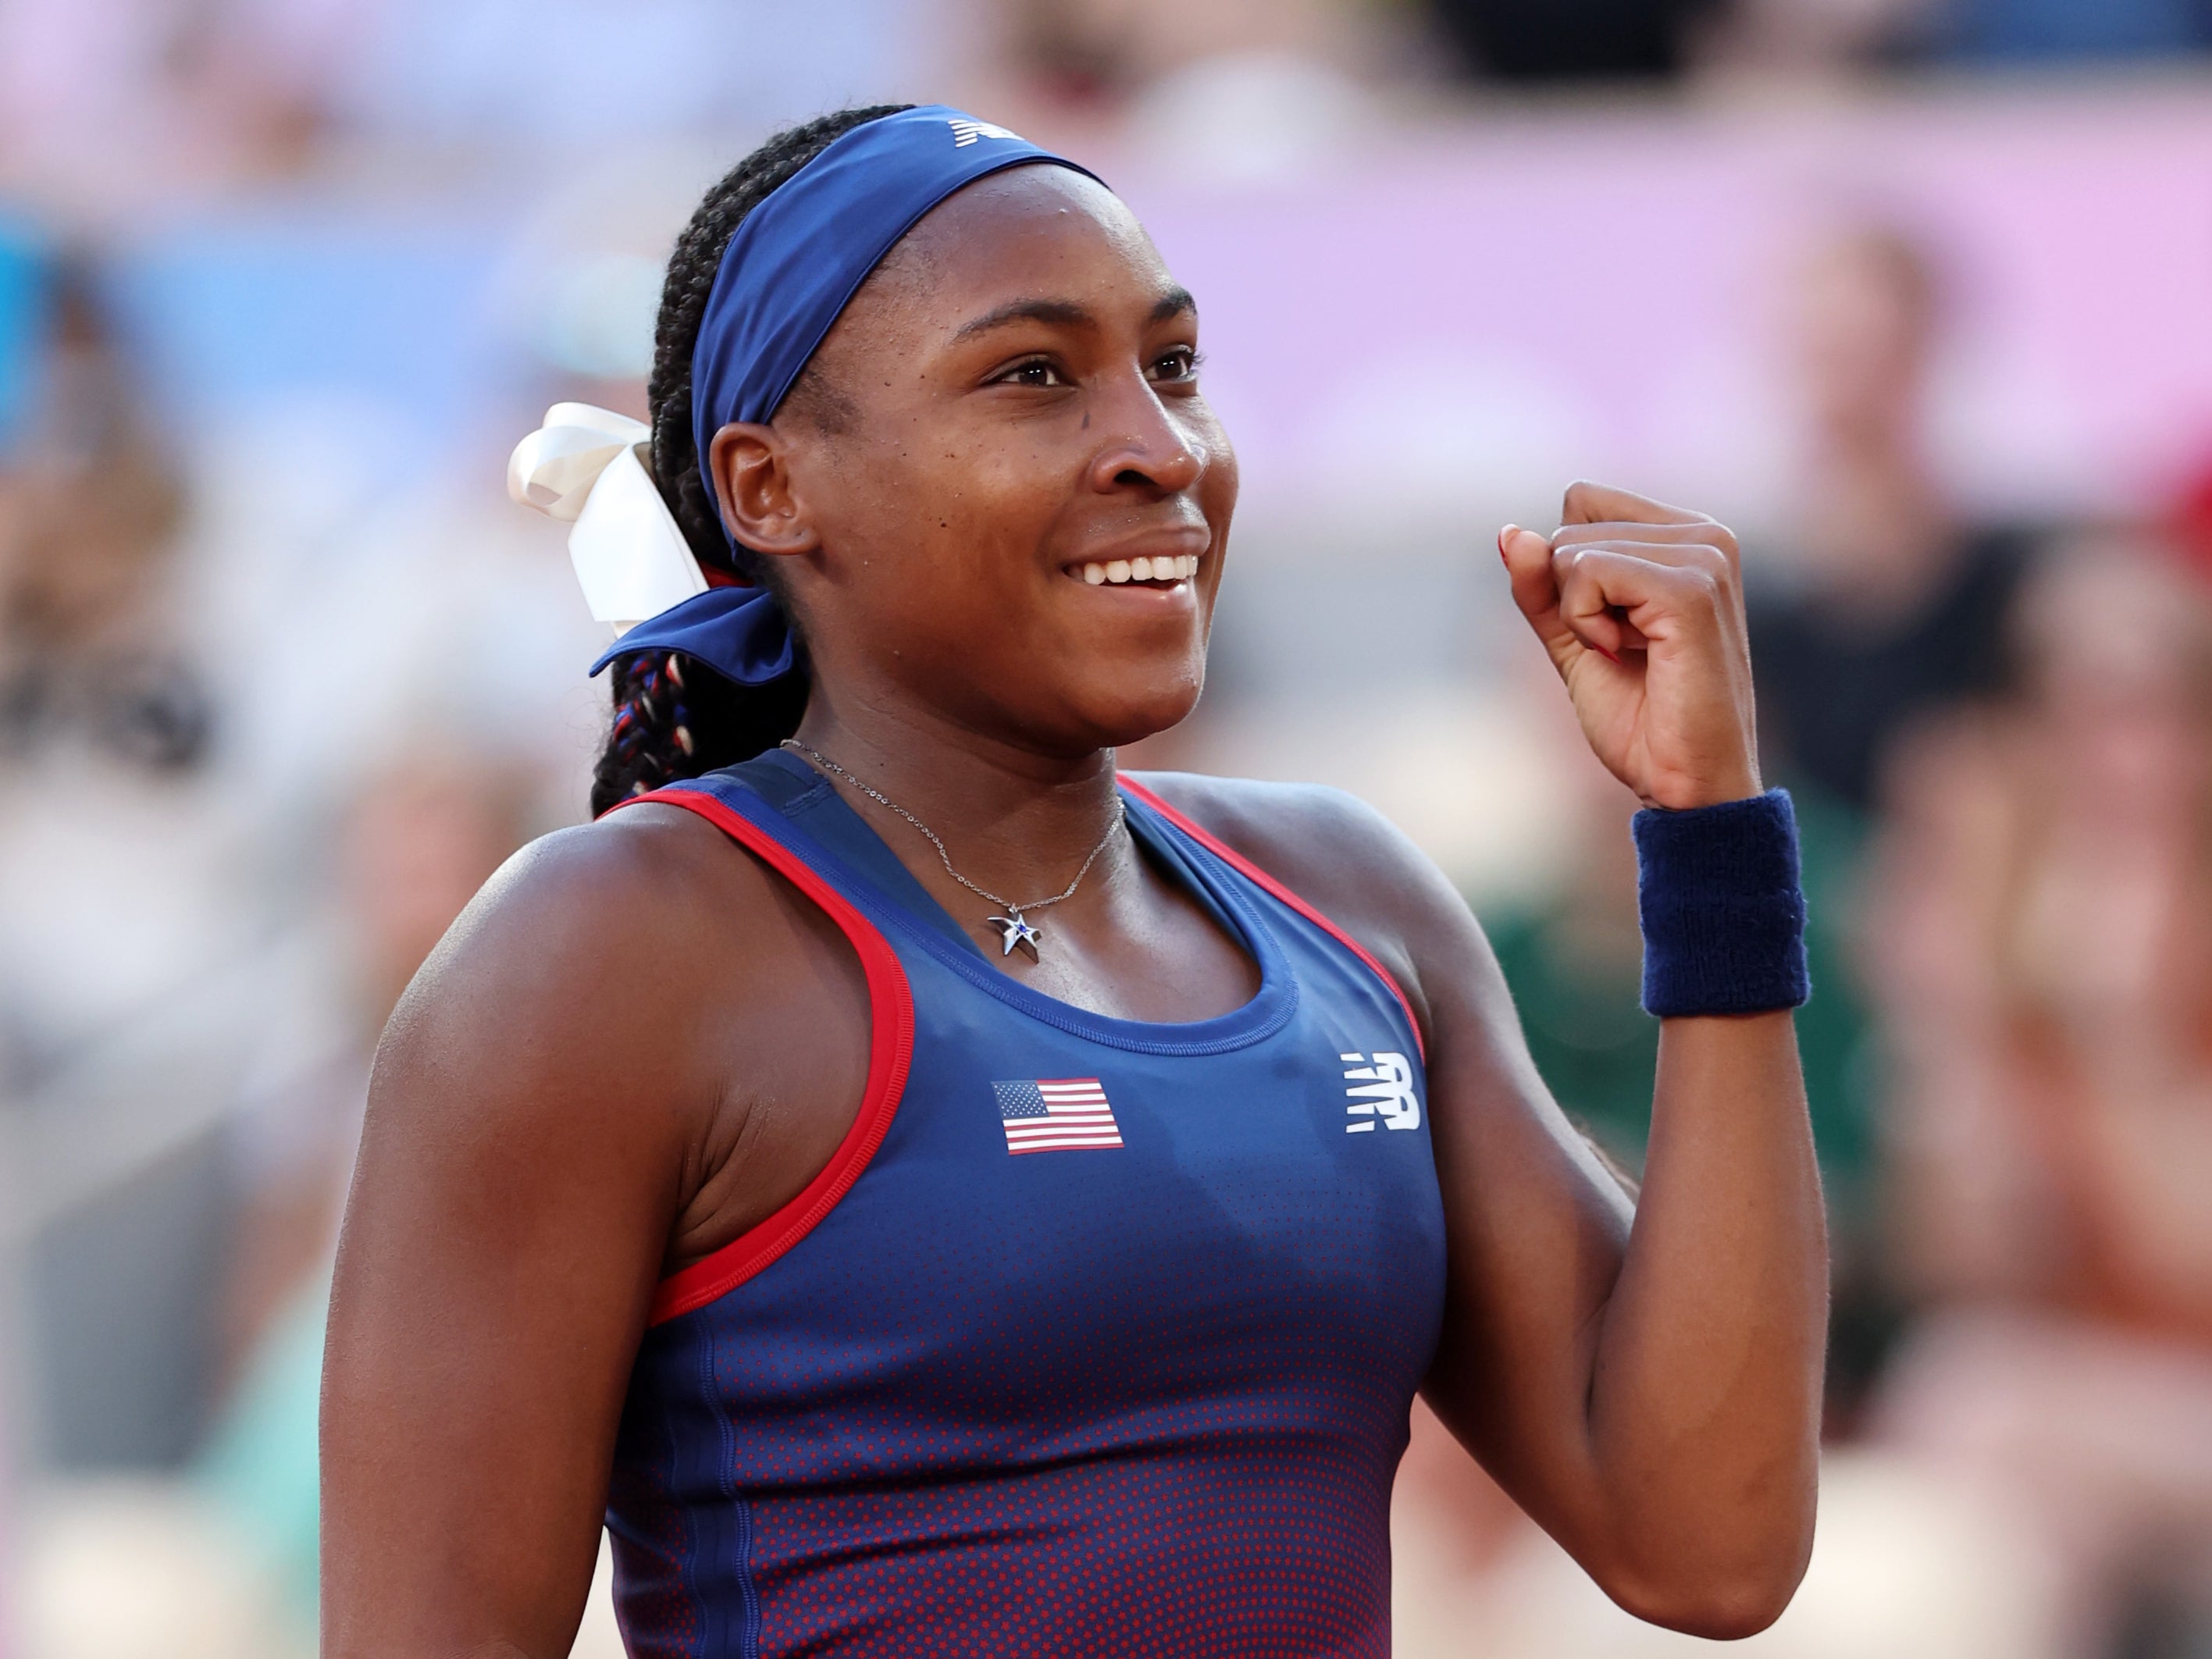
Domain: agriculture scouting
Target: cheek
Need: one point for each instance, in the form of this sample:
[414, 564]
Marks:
[1223, 480]
[1216, 490]
[983, 501]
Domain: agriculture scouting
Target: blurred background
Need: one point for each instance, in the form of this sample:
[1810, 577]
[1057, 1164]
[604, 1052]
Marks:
[1916, 293]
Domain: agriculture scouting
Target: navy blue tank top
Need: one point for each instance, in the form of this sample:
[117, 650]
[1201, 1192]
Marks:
[1094, 1337]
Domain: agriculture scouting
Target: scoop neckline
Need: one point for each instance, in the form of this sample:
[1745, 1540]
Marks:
[1266, 1011]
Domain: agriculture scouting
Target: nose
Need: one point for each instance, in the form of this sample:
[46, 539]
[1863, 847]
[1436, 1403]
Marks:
[1151, 449]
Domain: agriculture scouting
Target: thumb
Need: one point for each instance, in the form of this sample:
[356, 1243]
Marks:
[1536, 587]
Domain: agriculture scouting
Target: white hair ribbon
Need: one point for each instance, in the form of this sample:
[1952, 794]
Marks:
[586, 466]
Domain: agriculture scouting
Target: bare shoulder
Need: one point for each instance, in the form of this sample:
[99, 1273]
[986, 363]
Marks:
[1344, 858]
[582, 970]
[1298, 833]
[571, 905]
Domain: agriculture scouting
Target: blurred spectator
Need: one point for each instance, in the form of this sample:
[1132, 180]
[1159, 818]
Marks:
[582, 72]
[1544, 41]
[2040, 951]
[114, 101]
[1095, 51]
[2023, 31]
[1236, 89]
[86, 655]
[105, 715]
[23, 300]
[1800, 36]
[104, 101]
[1891, 608]
[117, 901]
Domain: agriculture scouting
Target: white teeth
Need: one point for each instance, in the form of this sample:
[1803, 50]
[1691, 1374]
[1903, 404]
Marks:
[1167, 568]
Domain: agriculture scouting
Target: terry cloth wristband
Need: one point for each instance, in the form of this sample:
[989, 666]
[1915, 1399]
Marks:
[1723, 916]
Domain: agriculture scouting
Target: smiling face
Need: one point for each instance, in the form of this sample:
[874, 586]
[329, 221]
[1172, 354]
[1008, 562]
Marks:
[999, 496]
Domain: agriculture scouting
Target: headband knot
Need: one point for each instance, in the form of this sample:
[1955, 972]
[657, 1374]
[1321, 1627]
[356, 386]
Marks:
[586, 466]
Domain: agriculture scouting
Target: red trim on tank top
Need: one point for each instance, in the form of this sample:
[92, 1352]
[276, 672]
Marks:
[1221, 849]
[891, 1051]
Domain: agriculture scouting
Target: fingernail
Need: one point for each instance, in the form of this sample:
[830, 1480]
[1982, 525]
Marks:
[1607, 655]
[1502, 535]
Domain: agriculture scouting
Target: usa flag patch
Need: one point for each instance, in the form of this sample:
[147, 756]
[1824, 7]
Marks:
[1055, 1115]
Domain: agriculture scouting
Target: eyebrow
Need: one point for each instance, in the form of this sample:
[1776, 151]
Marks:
[1067, 313]
[1174, 303]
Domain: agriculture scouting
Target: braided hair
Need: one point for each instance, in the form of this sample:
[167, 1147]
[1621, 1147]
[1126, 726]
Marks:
[673, 719]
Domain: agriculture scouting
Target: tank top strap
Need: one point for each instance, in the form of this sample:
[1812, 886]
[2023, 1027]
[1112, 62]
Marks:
[811, 802]
[891, 1039]
[1199, 837]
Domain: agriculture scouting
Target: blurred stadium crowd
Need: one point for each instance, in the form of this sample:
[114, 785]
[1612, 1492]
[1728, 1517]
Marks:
[1917, 293]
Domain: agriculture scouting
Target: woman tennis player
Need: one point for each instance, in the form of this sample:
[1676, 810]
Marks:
[929, 1194]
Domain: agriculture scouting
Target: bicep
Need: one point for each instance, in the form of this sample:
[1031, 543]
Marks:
[507, 1221]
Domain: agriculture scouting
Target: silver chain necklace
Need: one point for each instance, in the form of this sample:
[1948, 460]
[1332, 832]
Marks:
[1013, 927]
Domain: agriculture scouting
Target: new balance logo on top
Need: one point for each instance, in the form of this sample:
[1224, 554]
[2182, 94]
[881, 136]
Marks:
[965, 133]
[1382, 1087]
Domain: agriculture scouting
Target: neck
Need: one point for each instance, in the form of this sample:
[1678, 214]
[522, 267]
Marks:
[1012, 819]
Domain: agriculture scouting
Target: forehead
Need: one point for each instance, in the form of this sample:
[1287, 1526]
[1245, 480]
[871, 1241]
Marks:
[1040, 232]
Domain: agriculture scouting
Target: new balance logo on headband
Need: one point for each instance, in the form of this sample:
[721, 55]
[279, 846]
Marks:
[965, 133]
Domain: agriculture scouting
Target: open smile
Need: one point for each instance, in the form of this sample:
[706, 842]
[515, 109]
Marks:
[1166, 571]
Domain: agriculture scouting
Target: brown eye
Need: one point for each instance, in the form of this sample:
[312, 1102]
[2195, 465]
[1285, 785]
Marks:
[1180, 364]
[1035, 373]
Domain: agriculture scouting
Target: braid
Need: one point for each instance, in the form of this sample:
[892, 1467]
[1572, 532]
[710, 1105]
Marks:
[669, 723]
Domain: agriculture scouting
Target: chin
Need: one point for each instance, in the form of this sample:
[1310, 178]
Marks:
[1126, 720]
[1085, 696]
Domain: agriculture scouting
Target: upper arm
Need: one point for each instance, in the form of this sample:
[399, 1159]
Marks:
[532, 1109]
[1536, 1228]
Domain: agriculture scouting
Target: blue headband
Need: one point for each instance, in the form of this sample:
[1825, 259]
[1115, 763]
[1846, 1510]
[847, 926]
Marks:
[795, 262]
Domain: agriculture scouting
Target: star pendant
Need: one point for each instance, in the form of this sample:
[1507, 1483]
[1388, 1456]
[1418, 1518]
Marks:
[1013, 931]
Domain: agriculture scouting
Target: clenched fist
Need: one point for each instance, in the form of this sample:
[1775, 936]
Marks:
[1641, 608]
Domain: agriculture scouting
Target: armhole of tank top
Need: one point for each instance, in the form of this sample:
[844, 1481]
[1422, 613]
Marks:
[890, 1050]
[1237, 861]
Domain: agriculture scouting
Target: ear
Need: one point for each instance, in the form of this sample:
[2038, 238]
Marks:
[750, 465]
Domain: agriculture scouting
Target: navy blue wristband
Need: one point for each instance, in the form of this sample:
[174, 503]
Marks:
[1723, 914]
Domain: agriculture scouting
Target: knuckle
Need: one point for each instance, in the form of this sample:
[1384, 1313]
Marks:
[1712, 560]
[1697, 580]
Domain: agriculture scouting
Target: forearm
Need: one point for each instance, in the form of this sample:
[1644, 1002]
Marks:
[1703, 1404]
[1659, 1403]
